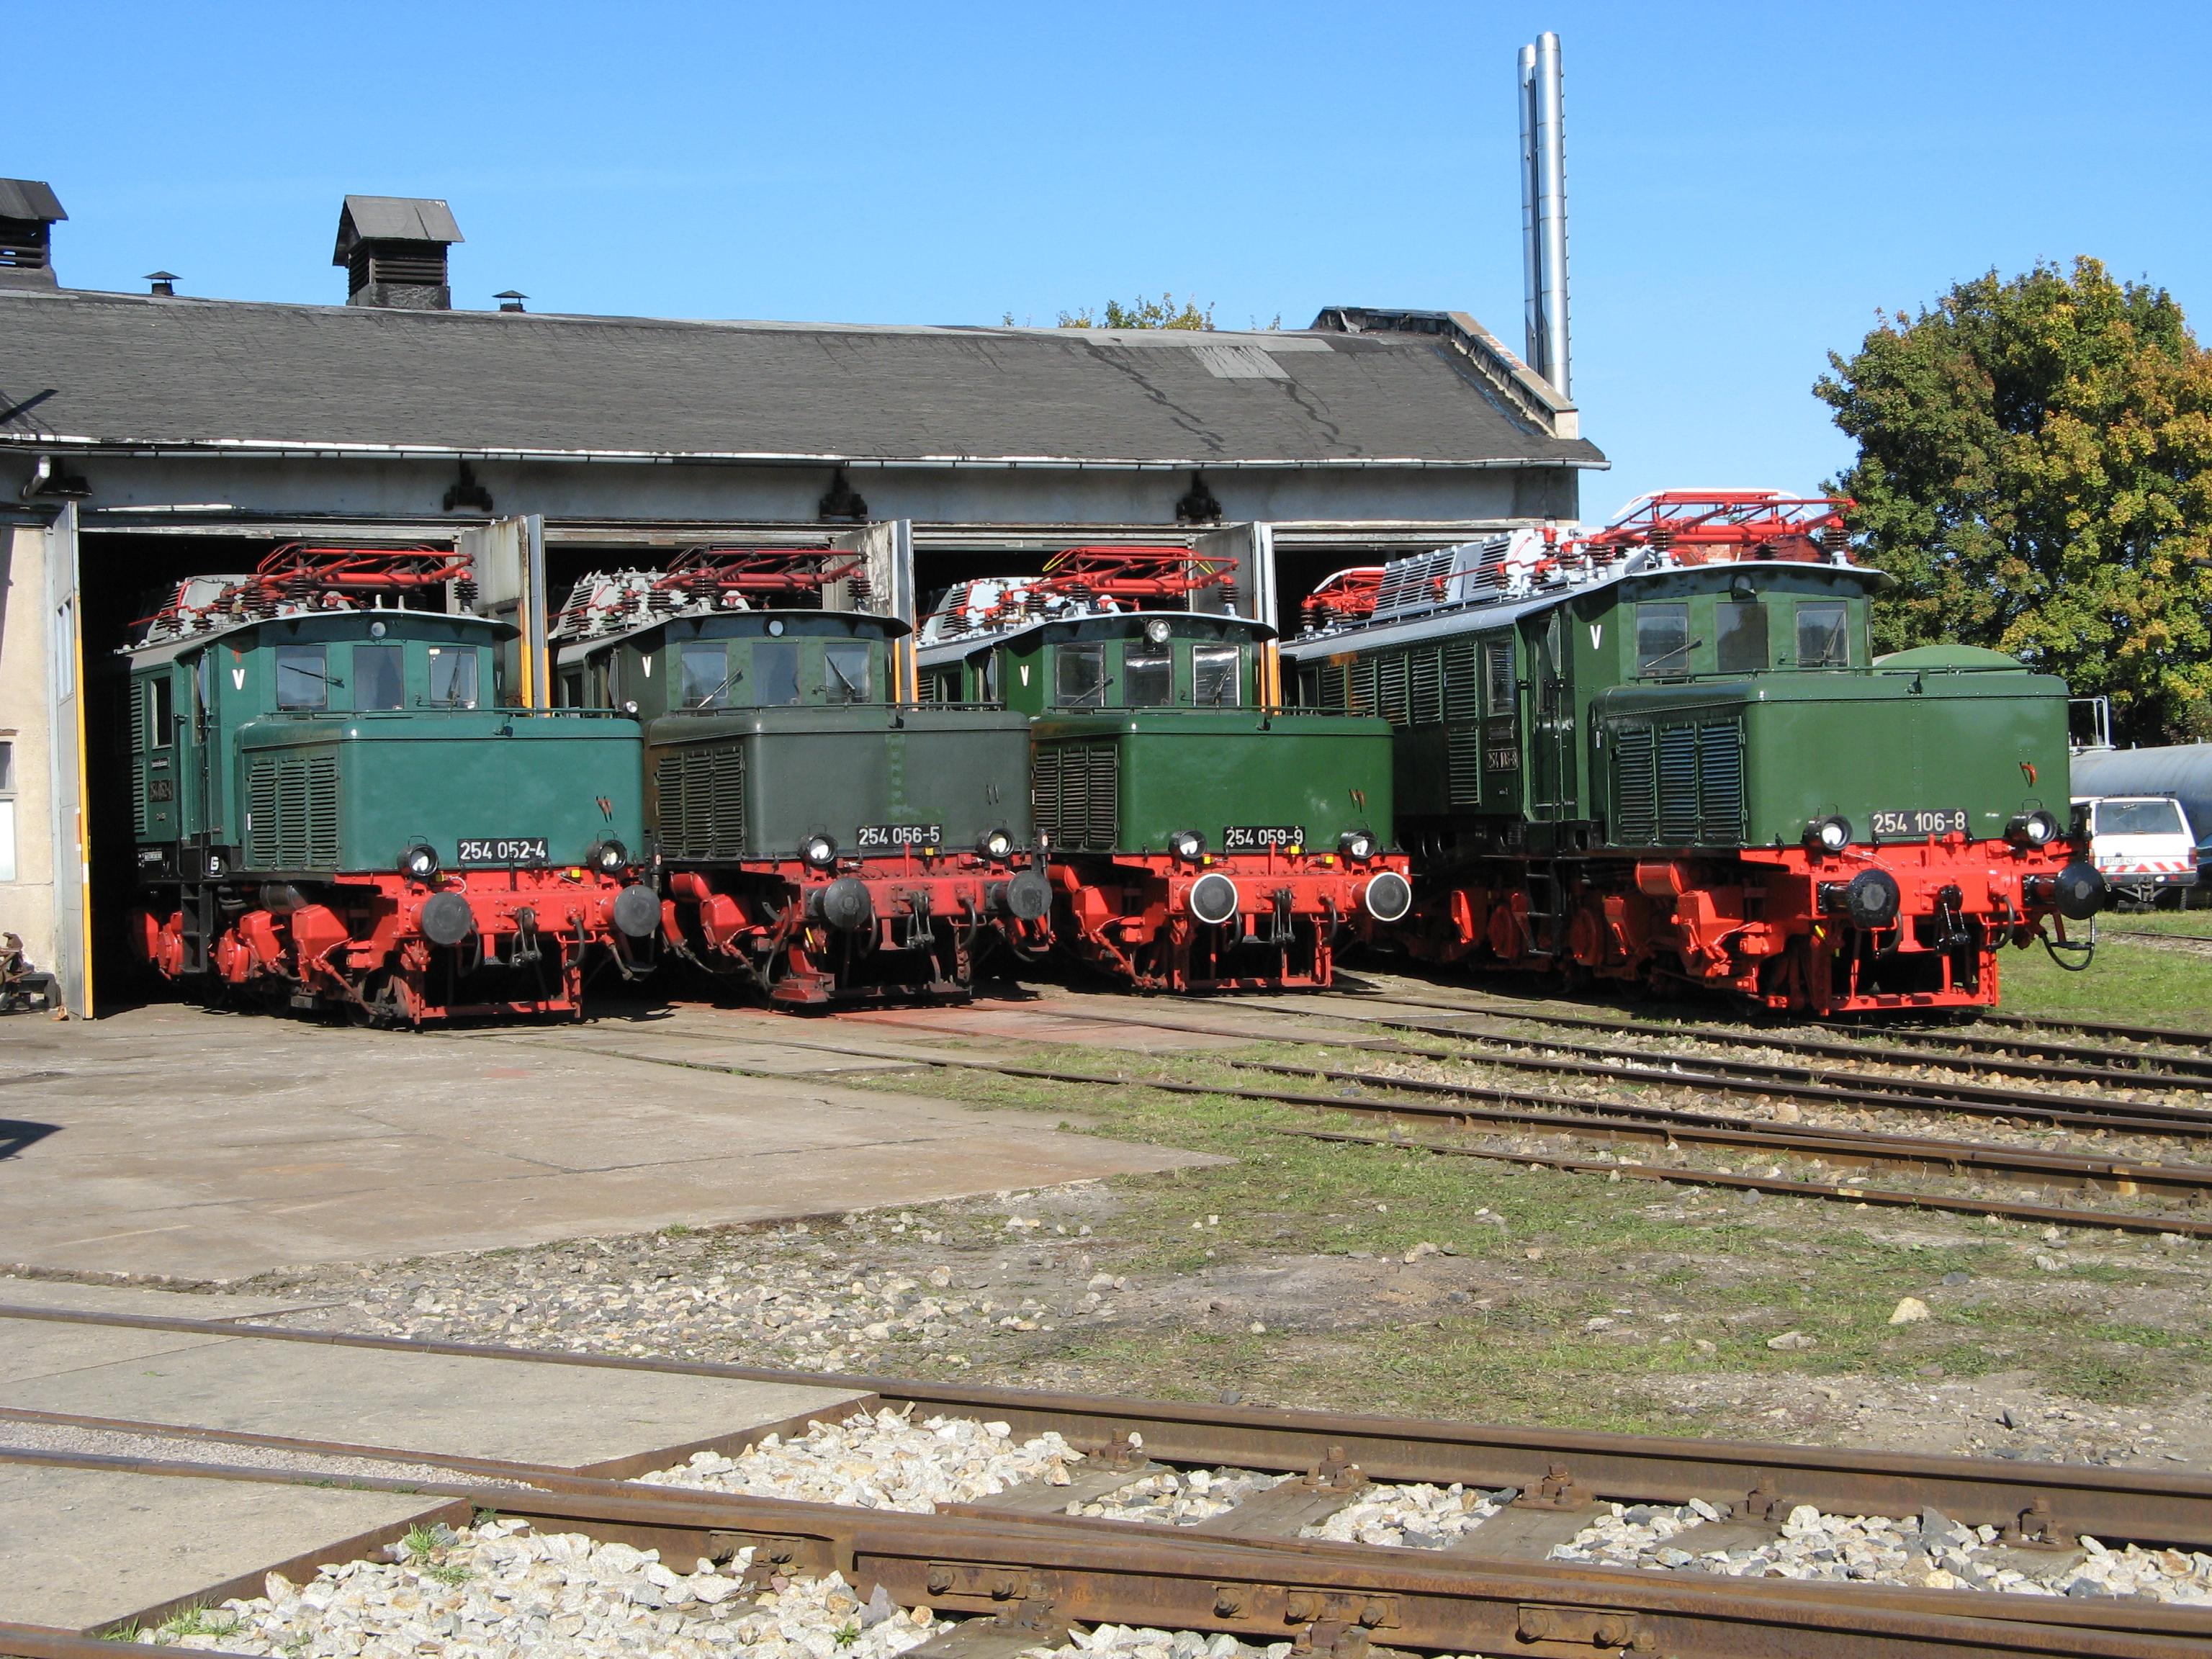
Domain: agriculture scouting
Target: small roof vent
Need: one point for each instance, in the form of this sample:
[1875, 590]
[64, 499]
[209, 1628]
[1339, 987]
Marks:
[29, 210]
[393, 249]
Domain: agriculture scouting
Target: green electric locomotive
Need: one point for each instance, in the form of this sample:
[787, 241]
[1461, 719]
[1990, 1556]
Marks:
[819, 839]
[1199, 837]
[1661, 750]
[332, 814]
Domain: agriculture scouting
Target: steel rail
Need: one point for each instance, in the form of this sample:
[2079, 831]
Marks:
[1813, 1082]
[2147, 1506]
[1625, 1120]
[2193, 1072]
[1336, 1599]
[2197, 1063]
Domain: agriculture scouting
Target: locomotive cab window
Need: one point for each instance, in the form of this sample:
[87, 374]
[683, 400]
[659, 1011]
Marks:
[1662, 639]
[1216, 677]
[707, 676]
[160, 711]
[845, 671]
[1823, 638]
[1741, 633]
[302, 680]
[989, 688]
[1080, 676]
[378, 679]
[1497, 667]
[776, 673]
[1147, 680]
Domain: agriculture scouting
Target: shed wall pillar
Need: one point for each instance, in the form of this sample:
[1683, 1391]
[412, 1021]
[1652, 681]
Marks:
[26, 878]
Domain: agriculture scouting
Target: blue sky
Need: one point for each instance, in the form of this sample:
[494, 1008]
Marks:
[1747, 184]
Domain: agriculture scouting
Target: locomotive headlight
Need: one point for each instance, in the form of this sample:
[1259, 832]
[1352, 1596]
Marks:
[609, 857]
[2036, 829]
[1830, 835]
[997, 845]
[1356, 844]
[1187, 845]
[819, 851]
[1156, 631]
[421, 863]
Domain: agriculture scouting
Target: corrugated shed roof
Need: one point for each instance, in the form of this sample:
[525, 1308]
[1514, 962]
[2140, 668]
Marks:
[132, 369]
[394, 218]
[29, 199]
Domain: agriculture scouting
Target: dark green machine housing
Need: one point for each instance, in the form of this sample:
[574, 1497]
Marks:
[765, 728]
[1150, 723]
[311, 744]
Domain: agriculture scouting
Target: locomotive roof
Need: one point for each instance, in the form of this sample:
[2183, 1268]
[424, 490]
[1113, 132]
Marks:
[1467, 614]
[577, 649]
[1428, 390]
[161, 650]
[1100, 622]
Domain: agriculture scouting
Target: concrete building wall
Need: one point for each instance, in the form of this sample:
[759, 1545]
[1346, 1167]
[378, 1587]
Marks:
[26, 901]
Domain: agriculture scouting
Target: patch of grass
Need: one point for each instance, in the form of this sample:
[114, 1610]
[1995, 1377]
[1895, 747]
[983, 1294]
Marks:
[196, 1621]
[2128, 982]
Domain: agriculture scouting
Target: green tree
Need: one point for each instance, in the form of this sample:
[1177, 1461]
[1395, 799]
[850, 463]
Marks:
[2035, 468]
[1141, 313]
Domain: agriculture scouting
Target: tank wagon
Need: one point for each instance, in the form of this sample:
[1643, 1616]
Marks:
[1661, 750]
[1200, 838]
[818, 838]
[331, 813]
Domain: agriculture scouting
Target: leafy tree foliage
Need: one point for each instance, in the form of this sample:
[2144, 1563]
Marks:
[1141, 313]
[2035, 468]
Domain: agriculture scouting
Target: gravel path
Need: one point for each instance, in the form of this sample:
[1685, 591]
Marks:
[503, 1592]
[883, 1461]
[1928, 1550]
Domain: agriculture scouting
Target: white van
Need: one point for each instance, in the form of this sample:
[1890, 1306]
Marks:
[2142, 844]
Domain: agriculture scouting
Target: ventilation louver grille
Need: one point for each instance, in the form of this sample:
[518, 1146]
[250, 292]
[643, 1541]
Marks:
[1076, 790]
[1635, 795]
[1682, 788]
[702, 803]
[1463, 761]
[1462, 691]
[292, 812]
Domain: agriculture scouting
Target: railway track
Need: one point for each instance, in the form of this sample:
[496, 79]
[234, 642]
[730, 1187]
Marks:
[1479, 1107]
[1021, 1571]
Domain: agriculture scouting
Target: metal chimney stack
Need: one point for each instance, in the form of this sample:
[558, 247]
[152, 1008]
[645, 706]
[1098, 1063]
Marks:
[1544, 209]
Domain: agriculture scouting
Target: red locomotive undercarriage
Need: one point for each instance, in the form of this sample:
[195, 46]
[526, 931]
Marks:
[1774, 926]
[862, 929]
[391, 950]
[1134, 916]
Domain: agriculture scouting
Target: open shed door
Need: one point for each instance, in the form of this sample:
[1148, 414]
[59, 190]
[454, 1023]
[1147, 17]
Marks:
[889, 549]
[1253, 592]
[72, 838]
[509, 556]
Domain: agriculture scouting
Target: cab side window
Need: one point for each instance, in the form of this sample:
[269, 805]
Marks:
[845, 671]
[1823, 637]
[1080, 676]
[379, 681]
[1662, 639]
[1741, 634]
[1498, 667]
[775, 672]
[1217, 679]
[303, 681]
[1148, 679]
[160, 711]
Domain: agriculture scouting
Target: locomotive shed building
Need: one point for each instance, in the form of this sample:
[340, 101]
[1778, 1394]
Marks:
[146, 437]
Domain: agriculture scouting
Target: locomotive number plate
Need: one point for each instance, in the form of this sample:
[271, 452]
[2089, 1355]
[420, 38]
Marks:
[1259, 838]
[503, 849]
[894, 837]
[1910, 826]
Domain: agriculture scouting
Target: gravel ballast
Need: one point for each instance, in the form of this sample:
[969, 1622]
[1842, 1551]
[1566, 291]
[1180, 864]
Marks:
[500, 1590]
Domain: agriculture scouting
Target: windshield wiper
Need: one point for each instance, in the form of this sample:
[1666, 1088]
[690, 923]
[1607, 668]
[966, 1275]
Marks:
[1681, 650]
[857, 695]
[728, 680]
